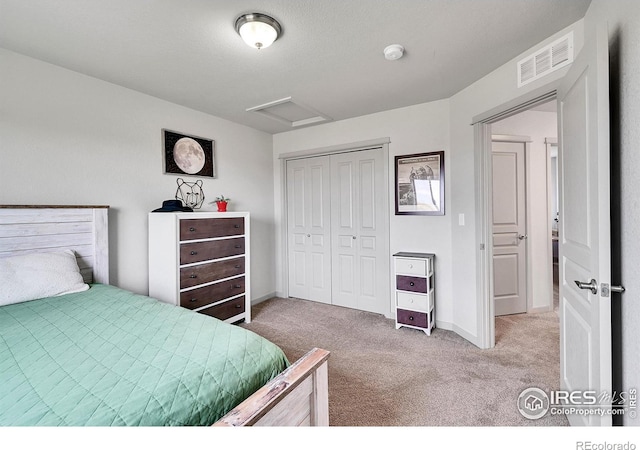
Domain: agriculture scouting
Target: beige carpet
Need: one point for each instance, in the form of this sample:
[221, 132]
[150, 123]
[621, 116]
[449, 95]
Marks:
[380, 376]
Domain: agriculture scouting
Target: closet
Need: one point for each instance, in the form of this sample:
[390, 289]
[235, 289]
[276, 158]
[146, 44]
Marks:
[338, 229]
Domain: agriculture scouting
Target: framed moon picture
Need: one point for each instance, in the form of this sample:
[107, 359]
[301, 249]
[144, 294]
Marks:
[188, 155]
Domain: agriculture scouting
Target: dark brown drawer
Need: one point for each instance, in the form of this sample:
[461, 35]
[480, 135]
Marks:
[202, 251]
[205, 273]
[213, 293]
[417, 319]
[210, 228]
[226, 310]
[413, 284]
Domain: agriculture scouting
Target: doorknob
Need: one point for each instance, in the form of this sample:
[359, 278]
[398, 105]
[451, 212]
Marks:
[606, 289]
[522, 237]
[591, 285]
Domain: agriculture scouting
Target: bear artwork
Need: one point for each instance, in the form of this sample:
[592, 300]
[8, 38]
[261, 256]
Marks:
[191, 194]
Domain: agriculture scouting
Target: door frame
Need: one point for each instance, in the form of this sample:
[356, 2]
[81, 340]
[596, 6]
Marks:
[380, 143]
[484, 207]
[526, 141]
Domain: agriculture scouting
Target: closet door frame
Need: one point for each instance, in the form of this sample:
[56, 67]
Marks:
[381, 144]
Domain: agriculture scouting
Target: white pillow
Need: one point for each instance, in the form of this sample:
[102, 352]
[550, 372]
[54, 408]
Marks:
[38, 275]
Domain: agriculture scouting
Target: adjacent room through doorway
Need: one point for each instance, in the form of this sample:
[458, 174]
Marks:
[525, 218]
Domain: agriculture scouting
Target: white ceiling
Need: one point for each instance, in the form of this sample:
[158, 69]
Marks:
[329, 57]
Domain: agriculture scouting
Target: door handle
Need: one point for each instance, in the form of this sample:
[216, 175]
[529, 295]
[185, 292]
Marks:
[606, 289]
[591, 285]
[522, 237]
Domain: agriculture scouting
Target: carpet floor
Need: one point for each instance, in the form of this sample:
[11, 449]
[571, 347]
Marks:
[380, 376]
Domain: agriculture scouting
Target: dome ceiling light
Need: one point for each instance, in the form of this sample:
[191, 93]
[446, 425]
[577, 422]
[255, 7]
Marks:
[258, 30]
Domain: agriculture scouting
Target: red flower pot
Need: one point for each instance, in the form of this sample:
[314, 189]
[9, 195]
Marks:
[222, 206]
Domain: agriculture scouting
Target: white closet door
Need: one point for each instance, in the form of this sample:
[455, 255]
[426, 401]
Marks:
[360, 254]
[309, 230]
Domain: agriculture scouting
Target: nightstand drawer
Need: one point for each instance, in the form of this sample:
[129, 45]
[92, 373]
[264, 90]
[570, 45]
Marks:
[203, 251]
[226, 310]
[417, 319]
[419, 302]
[208, 272]
[210, 228]
[408, 266]
[413, 284]
[196, 298]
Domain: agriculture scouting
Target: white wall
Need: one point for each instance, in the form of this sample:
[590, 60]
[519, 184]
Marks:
[537, 125]
[416, 129]
[623, 20]
[492, 93]
[67, 138]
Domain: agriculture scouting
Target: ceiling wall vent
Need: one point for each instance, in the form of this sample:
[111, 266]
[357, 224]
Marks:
[546, 60]
[290, 113]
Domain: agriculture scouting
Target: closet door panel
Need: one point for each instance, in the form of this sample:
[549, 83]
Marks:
[308, 221]
[345, 267]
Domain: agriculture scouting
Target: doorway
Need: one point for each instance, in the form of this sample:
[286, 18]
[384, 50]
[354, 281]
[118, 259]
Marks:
[534, 121]
[525, 141]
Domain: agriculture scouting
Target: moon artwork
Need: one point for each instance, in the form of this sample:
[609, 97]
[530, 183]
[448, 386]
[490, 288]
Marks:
[188, 155]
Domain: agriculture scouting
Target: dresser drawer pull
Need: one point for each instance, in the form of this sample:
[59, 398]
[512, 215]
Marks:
[194, 253]
[238, 246]
[238, 306]
[236, 226]
[192, 229]
[193, 275]
[412, 284]
[410, 317]
[238, 266]
[193, 300]
[236, 286]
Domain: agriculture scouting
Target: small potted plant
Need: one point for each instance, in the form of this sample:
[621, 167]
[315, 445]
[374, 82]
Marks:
[221, 202]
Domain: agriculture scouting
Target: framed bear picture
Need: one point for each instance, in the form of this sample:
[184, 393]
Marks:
[188, 155]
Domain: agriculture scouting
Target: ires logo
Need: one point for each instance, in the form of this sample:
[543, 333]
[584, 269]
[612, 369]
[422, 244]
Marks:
[534, 403]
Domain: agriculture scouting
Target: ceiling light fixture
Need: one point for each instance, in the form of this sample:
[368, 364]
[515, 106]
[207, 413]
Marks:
[393, 52]
[258, 30]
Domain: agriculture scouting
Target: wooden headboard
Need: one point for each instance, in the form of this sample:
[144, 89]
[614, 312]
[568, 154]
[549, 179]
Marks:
[83, 229]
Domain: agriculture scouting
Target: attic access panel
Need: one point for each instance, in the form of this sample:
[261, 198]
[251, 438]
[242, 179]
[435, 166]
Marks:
[293, 114]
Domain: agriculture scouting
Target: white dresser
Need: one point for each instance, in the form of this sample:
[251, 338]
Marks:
[415, 294]
[200, 261]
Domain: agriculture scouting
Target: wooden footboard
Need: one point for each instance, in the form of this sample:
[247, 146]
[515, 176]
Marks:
[299, 396]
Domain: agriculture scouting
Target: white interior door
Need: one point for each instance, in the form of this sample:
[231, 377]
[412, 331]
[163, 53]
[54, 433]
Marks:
[585, 250]
[309, 228]
[360, 257]
[509, 228]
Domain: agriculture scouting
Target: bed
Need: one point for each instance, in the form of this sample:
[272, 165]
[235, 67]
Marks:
[105, 356]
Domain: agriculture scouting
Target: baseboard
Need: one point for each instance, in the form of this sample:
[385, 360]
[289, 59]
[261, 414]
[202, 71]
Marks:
[444, 325]
[541, 309]
[255, 301]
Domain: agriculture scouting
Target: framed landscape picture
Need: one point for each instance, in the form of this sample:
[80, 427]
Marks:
[420, 184]
[188, 155]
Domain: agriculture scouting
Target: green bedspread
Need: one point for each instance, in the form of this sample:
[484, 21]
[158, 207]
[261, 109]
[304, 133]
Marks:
[110, 357]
